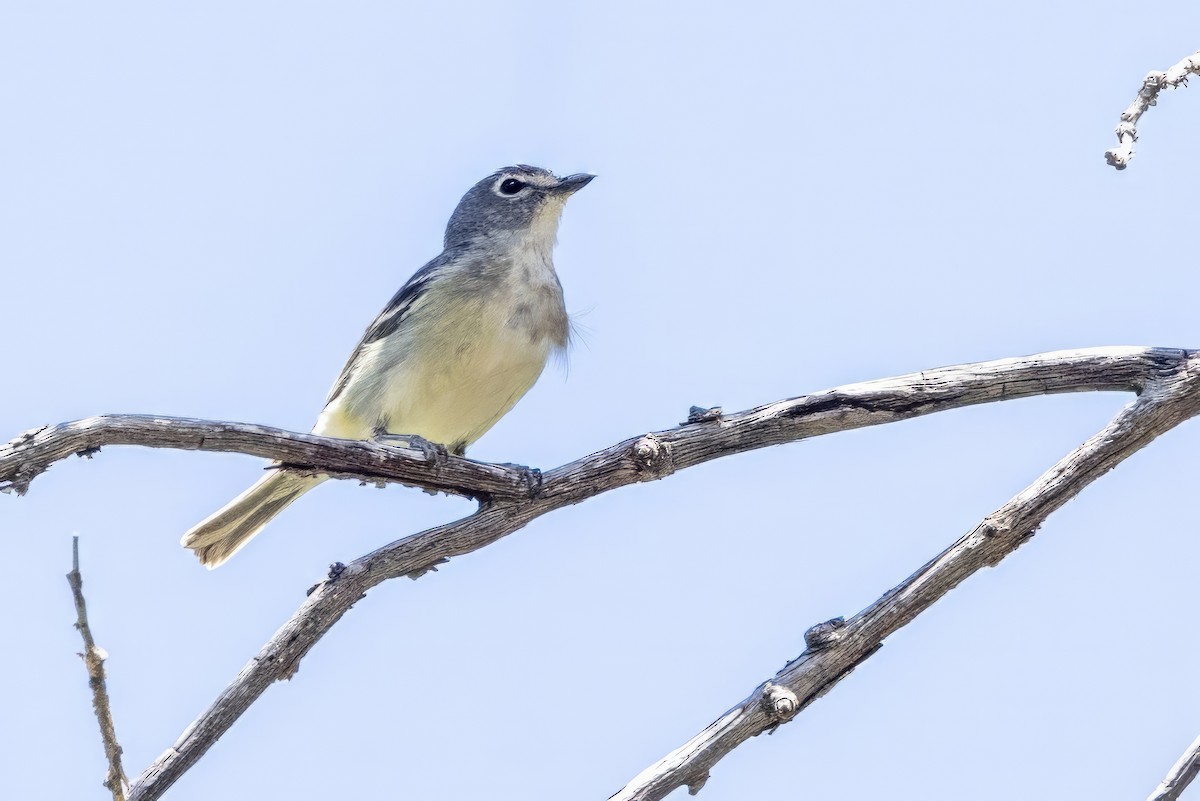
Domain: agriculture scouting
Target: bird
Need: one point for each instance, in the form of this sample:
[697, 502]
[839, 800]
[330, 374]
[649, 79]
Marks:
[452, 352]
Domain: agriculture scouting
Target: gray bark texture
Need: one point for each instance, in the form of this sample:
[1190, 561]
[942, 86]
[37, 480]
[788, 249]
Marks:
[1152, 85]
[1165, 380]
[1180, 775]
[93, 659]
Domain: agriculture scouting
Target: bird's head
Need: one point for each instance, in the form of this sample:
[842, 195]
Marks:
[520, 202]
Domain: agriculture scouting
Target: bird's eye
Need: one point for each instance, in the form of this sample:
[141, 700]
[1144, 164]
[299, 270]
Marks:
[511, 186]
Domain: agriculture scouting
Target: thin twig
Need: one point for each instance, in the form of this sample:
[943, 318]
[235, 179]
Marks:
[835, 648]
[648, 458]
[1147, 96]
[1180, 775]
[94, 656]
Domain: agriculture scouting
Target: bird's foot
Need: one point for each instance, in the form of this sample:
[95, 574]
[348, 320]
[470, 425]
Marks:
[430, 451]
[531, 477]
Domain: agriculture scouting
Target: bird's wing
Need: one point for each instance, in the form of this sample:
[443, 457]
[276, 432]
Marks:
[391, 318]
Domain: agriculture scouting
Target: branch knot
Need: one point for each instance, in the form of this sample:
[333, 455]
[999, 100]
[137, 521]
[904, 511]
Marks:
[993, 527]
[651, 455]
[779, 702]
[696, 784]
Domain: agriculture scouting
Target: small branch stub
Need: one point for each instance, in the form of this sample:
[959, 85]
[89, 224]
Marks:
[430, 567]
[699, 414]
[533, 481]
[824, 634]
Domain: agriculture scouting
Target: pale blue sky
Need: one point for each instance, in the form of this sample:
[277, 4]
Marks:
[202, 207]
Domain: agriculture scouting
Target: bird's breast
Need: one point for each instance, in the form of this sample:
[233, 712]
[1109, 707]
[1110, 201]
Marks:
[455, 368]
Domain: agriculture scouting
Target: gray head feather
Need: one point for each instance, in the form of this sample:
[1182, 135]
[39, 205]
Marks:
[506, 203]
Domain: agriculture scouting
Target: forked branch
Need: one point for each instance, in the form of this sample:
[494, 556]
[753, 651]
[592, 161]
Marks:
[835, 648]
[511, 497]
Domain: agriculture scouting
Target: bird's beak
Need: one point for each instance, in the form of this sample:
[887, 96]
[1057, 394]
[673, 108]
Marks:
[572, 183]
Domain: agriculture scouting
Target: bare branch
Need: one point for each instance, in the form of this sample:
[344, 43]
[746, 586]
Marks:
[30, 454]
[1180, 775]
[835, 648]
[647, 458]
[94, 656]
[1147, 96]
[838, 409]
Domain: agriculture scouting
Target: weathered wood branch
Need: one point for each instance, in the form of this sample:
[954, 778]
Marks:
[836, 647]
[511, 499]
[31, 454]
[93, 658]
[1180, 775]
[1147, 96]
[838, 409]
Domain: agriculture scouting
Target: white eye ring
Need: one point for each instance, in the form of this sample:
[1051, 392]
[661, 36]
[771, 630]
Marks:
[510, 187]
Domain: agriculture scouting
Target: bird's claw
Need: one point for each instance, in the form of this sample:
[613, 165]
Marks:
[430, 451]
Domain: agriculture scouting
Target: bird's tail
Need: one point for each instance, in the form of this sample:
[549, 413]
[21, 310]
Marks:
[224, 532]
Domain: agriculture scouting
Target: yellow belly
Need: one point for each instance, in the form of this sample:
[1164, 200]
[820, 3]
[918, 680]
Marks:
[449, 392]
